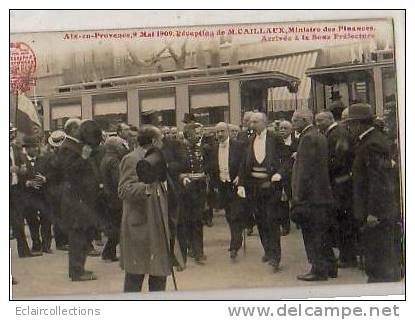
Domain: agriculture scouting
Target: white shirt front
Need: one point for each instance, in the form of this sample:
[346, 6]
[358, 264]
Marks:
[223, 160]
[15, 179]
[288, 141]
[260, 146]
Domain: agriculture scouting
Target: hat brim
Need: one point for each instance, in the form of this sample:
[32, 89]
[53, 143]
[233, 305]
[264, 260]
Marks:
[55, 144]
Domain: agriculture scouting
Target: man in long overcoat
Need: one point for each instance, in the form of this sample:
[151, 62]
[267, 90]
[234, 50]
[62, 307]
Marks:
[143, 240]
[373, 198]
[312, 198]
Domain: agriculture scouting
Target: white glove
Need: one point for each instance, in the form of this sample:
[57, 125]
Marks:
[241, 192]
[186, 181]
[236, 181]
[86, 151]
[276, 177]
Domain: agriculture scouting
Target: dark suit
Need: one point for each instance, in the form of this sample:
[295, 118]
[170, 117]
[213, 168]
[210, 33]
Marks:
[109, 168]
[263, 194]
[313, 199]
[80, 193]
[373, 194]
[16, 208]
[226, 190]
[36, 209]
[340, 167]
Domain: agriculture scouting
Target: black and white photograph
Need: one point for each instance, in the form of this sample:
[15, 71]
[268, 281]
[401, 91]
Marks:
[180, 159]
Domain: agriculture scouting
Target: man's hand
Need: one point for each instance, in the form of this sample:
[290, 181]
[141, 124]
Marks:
[241, 192]
[276, 177]
[186, 181]
[86, 151]
[33, 184]
[372, 221]
[41, 178]
[236, 181]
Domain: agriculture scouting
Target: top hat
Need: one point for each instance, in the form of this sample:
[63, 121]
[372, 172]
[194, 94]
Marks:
[90, 133]
[337, 104]
[56, 138]
[30, 141]
[360, 111]
[153, 167]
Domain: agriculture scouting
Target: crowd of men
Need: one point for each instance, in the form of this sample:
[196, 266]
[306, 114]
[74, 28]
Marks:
[152, 190]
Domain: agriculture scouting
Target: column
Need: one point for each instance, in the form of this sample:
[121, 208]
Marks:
[133, 107]
[235, 101]
[46, 114]
[182, 104]
[86, 107]
[378, 85]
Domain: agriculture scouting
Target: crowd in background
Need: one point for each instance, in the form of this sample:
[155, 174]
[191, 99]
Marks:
[152, 190]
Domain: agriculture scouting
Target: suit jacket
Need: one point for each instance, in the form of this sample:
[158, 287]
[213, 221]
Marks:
[80, 187]
[310, 177]
[236, 153]
[109, 168]
[373, 179]
[273, 158]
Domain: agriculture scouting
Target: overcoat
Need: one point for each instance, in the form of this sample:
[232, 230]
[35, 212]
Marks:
[142, 241]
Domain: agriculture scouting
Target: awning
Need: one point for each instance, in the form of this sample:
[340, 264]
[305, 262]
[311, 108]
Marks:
[296, 65]
[114, 106]
[66, 111]
[162, 102]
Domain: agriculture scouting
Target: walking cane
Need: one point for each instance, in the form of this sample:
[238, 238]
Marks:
[244, 241]
[167, 242]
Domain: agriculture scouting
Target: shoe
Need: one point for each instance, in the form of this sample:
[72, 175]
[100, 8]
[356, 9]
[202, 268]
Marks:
[233, 254]
[333, 273]
[201, 259]
[264, 259]
[94, 253]
[84, 277]
[312, 277]
[347, 264]
[209, 224]
[32, 254]
[64, 247]
[180, 268]
[111, 259]
[48, 251]
[274, 264]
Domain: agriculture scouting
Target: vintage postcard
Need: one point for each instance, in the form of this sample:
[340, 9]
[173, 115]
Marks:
[206, 157]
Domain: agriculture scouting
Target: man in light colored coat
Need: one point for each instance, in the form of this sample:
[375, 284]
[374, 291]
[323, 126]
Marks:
[143, 240]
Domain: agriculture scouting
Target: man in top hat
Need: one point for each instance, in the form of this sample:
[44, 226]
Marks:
[312, 198]
[340, 169]
[123, 131]
[222, 164]
[373, 203]
[37, 211]
[260, 178]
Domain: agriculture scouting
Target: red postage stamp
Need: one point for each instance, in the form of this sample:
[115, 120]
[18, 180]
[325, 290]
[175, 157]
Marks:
[22, 67]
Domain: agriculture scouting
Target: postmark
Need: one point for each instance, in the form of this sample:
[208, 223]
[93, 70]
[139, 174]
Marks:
[22, 67]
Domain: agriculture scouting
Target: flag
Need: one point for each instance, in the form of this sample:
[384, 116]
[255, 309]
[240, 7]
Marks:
[27, 118]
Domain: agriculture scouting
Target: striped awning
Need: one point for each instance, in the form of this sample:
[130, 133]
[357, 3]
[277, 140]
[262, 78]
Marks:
[296, 65]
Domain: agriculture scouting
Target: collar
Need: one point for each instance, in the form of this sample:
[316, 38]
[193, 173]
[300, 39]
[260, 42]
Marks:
[305, 129]
[288, 140]
[72, 138]
[366, 133]
[331, 127]
[30, 158]
[263, 134]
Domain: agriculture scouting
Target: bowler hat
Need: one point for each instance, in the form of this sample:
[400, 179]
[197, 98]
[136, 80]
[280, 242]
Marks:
[152, 168]
[30, 141]
[56, 138]
[360, 111]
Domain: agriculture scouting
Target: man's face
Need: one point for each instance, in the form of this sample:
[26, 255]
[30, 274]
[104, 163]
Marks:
[285, 129]
[12, 135]
[258, 123]
[158, 141]
[32, 151]
[233, 133]
[323, 122]
[222, 133]
[298, 123]
[198, 133]
[125, 131]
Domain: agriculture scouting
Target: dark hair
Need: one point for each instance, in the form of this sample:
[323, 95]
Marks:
[146, 134]
[119, 127]
[190, 127]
